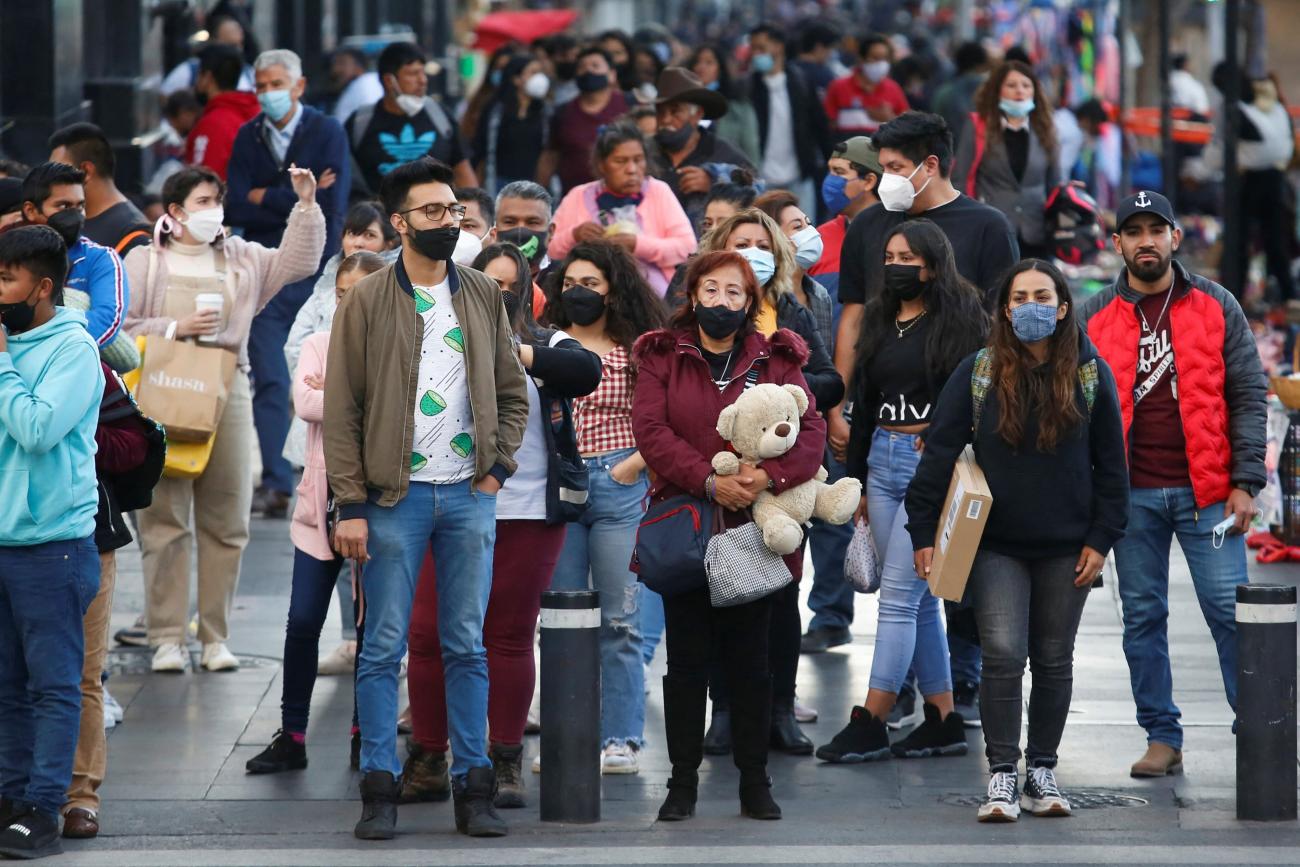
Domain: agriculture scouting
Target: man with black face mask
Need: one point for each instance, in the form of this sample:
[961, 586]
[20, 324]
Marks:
[692, 153]
[411, 466]
[54, 196]
[575, 123]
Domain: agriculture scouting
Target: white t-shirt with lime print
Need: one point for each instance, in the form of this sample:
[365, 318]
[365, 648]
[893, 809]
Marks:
[442, 451]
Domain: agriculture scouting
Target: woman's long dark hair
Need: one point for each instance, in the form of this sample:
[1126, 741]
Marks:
[631, 308]
[1051, 397]
[958, 324]
[523, 324]
[726, 84]
[990, 94]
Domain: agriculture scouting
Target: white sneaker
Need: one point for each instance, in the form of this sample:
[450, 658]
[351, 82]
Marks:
[537, 763]
[803, 713]
[343, 660]
[406, 662]
[109, 722]
[619, 759]
[217, 658]
[1003, 803]
[534, 724]
[170, 658]
[111, 705]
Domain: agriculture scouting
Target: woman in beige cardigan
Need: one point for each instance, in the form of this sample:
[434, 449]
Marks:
[191, 257]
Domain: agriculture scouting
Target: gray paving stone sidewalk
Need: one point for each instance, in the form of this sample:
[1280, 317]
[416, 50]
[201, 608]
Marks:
[177, 793]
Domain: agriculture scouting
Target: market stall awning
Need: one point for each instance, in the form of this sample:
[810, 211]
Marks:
[498, 28]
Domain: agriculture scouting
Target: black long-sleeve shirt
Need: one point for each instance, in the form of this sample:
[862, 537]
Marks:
[1045, 504]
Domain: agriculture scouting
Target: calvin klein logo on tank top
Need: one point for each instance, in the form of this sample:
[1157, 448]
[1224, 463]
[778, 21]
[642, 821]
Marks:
[902, 412]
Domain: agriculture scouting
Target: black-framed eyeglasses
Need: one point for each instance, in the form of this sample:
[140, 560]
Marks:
[435, 211]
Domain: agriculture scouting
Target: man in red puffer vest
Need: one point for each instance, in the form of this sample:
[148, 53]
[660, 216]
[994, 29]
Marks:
[1192, 396]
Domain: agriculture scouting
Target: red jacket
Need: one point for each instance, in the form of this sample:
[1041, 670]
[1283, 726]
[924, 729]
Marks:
[212, 138]
[678, 435]
[1221, 385]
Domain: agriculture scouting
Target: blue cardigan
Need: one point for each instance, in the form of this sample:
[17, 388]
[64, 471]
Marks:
[319, 143]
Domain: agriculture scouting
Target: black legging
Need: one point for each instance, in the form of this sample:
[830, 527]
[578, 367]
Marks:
[782, 650]
[1266, 210]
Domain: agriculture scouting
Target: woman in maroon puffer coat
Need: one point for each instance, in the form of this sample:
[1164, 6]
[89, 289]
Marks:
[686, 376]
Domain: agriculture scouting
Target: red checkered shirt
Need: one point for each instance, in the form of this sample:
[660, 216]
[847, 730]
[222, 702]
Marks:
[603, 419]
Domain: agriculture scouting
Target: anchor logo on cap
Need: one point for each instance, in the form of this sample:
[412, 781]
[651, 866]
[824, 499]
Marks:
[1142, 200]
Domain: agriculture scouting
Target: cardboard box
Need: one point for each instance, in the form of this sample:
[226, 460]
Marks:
[961, 524]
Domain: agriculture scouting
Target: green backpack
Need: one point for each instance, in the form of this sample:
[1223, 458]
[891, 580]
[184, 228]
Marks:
[981, 377]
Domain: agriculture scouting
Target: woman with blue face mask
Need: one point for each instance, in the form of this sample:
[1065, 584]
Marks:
[771, 256]
[1009, 155]
[1039, 406]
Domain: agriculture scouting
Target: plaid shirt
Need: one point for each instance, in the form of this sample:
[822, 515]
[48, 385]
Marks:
[603, 419]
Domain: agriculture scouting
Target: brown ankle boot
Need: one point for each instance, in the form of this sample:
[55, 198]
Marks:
[1161, 760]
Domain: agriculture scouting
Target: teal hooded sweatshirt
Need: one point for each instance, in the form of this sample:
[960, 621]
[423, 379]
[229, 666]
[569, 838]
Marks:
[51, 385]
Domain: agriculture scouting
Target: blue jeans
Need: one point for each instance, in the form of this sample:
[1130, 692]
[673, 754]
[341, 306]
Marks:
[597, 551]
[652, 623]
[1156, 515]
[266, 339]
[309, 603]
[831, 597]
[44, 593]
[459, 522]
[910, 630]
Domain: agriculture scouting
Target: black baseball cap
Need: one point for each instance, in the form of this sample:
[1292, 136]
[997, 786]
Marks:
[1145, 202]
[11, 195]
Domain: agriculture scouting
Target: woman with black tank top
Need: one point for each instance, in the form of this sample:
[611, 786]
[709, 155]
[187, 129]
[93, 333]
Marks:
[919, 327]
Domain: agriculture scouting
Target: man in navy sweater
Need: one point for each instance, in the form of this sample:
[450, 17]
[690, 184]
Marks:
[258, 203]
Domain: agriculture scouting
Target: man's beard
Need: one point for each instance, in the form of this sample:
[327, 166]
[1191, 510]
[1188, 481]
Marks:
[1147, 271]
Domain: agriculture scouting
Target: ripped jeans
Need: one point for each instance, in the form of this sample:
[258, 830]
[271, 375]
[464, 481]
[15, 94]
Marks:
[597, 551]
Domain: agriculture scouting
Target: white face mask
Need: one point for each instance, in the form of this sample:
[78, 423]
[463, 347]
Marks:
[807, 246]
[876, 71]
[412, 105]
[204, 226]
[896, 191]
[537, 86]
[468, 246]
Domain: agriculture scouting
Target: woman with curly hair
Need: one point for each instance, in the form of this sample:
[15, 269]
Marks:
[1008, 156]
[599, 298]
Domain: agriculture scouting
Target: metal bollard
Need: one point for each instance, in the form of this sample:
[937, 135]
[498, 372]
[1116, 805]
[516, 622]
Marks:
[1266, 702]
[570, 706]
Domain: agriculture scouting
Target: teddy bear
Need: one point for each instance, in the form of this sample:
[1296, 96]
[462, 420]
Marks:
[764, 423]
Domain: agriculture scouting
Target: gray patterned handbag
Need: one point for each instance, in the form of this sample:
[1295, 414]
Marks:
[741, 568]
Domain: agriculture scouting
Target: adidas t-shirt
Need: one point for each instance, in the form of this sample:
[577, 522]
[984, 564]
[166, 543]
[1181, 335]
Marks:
[393, 139]
[443, 449]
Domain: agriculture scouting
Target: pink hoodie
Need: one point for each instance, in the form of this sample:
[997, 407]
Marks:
[664, 238]
[307, 530]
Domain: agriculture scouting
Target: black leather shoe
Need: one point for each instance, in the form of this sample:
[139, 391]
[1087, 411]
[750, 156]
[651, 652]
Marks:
[476, 816]
[378, 807]
[823, 639]
[717, 740]
[787, 737]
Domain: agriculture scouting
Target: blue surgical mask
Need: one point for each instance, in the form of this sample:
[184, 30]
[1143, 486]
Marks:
[761, 261]
[762, 63]
[276, 103]
[833, 194]
[1033, 322]
[1016, 108]
[712, 85]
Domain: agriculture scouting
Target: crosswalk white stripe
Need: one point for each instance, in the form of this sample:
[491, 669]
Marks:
[687, 854]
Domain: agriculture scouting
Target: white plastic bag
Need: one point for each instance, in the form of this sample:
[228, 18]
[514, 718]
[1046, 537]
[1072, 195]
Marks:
[862, 565]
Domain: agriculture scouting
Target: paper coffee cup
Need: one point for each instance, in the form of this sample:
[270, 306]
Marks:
[209, 301]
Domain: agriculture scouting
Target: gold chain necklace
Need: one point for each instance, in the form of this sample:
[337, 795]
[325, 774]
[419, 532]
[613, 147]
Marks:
[903, 330]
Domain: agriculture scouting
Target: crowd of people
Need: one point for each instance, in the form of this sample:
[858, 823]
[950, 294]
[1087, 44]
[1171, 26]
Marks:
[470, 346]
